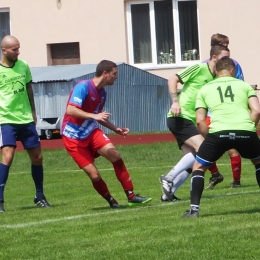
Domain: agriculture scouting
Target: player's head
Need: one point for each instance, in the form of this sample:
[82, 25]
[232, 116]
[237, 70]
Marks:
[225, 64]
[10, 48]
[218, 38]
[218, 51]
[108, 70]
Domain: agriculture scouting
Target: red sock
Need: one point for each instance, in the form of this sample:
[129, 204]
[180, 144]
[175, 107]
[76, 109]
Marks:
[213, 168]
[101, 187]
[236, 167]
[124, 178]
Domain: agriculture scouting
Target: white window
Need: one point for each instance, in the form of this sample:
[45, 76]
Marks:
[162, 33]
[4, 24]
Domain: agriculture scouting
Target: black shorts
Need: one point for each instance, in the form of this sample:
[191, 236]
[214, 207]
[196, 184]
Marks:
[182, 129]
[215, 145]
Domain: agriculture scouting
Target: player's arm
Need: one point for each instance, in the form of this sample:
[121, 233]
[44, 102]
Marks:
[201, 114]
[254, 107]
[79, 113]
[172, 87]
[31, 100]
[118, 130]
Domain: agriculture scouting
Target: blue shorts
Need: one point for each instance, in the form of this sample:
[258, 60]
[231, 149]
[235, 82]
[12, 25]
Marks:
[26, 133]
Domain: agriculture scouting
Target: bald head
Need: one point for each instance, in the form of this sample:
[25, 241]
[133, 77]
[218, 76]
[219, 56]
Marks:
[9, 41]
[10, 49]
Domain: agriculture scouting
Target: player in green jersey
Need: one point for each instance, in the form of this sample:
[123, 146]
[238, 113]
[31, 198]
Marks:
[18, 118]
[181, 118]
[235, 112]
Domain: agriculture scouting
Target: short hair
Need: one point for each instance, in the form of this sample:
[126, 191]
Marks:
[225, 63]
[217, 49]
[218, 38]
[104, 65]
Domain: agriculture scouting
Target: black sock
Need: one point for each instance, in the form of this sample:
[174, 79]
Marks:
[257, 173]
[197, 186]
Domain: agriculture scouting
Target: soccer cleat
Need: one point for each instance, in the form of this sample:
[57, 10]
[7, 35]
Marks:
[214, 180]
[173, 199]
[2, 207]
[167, 187]
[235, 184]
[42, 202]
[191, 214]
[113, 203]
[138, 200]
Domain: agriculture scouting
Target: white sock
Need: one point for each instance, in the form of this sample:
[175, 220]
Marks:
[184, 163]
[179, 180]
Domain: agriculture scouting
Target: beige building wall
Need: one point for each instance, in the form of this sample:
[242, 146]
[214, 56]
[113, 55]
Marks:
[100, 28]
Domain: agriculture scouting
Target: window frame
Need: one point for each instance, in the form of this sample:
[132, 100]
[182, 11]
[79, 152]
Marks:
[178, 62]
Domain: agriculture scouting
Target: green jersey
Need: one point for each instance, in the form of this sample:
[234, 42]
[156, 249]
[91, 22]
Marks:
[193, 78]
[14, 102]
[227, 100]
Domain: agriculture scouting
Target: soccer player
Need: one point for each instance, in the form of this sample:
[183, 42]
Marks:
[18, 118]
[235, 129]
[235, 158]
[181, 118]
[85, 141]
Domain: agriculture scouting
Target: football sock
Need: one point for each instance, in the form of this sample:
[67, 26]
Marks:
[213, 168]
[196, 187]
[179, 180]
[4, 172]
[236, 167]
[257, 172]
[124, 178]
[184, 163]
[37, 175]
[101, 187]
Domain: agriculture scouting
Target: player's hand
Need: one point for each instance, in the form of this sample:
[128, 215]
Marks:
[122, 131]
[175, 109]
[103, 116]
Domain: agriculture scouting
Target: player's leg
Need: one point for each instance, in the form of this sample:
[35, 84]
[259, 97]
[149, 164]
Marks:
[31, 142]
[7, 144]
[210, 150]
[216, 176]
[111, 154]
[235, 160]
[80, 152]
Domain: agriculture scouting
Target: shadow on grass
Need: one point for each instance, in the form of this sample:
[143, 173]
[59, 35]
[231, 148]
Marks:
[232, 212]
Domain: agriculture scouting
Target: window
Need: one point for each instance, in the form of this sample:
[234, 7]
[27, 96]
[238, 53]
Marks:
[4, 24]
[63, 53]
[162, 33]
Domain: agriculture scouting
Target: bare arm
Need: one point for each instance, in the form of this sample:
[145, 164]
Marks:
[31, 100]
[78, 113]
[201, 115]
[254, 107]
[172, 87]
[102, 118]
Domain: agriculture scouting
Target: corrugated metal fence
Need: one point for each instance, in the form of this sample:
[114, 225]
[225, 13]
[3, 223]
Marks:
[138, 100]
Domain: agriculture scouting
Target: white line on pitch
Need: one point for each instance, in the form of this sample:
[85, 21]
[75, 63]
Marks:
[29, 224]
[111, 169]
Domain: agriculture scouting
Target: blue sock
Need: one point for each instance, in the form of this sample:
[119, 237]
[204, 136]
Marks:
[37, 175]
[4, 171]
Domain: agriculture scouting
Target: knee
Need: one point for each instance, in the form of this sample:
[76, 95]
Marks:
[37, 159]
[113, 155]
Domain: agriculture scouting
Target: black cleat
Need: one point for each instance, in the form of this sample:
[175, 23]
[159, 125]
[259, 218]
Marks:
[42, 202]
[2, 207]
[191, 214]
[173, 198]
[113, 203]
[235, 184]
[138, 200]
[214, 180]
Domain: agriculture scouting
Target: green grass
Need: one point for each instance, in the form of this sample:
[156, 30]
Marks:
[80, 225]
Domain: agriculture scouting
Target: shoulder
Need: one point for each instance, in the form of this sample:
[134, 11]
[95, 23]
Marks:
[22, 63]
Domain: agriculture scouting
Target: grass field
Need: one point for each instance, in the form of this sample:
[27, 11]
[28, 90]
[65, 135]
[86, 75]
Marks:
[80, 225]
